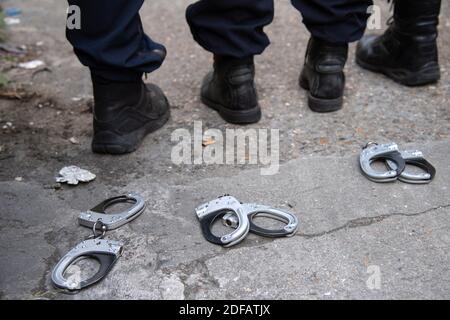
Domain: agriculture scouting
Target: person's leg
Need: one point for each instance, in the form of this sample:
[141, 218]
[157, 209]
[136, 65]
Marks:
[232, 28]
[332, 24]
[407, 52]
[112, 43]
[233, 31]
[335, 21]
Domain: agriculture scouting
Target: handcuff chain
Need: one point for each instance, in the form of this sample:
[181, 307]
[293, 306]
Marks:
[94, 230]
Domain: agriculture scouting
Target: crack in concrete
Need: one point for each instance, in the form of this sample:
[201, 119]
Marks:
[199, 265]
[368, 221]
[205, 280]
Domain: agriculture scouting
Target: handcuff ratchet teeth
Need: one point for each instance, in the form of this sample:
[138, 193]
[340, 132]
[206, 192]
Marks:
[414, 158]
[91, 217]
[256, 210]
[373, 152]
[209, 212]
[106, 252]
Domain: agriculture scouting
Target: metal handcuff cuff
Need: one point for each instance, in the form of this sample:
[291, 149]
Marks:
[106, 252]
[240, 217]
[396, 162]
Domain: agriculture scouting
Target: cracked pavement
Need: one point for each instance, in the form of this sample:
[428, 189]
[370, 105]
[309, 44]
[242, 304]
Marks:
[348, 224]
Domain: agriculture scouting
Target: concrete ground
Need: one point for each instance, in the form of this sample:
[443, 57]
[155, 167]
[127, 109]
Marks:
[352, 232]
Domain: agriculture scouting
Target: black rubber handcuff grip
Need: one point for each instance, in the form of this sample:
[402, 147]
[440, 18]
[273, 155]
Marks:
[107, 262]
[206, 225]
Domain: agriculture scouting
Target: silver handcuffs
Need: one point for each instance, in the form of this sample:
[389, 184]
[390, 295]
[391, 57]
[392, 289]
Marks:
[106, 252]
[240, 217]
[396, 162]
[116, 220]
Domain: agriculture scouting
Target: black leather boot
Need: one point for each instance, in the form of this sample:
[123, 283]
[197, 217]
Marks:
[407, 52]
[124, 113]
[323, 75]
[230, 90]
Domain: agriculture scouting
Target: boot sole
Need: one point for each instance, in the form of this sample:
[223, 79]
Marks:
[427, 75]
[321, 105]
[104, 147]
[248, 116]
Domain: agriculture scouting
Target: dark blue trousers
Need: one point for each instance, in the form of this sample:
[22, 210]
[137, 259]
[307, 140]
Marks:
[112, 43]
[235, 27]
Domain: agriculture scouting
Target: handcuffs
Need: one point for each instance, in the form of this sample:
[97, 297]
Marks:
[396, 162]
[240, 216]
[106, 252]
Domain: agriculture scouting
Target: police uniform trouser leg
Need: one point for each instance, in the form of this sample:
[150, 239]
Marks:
[231, 27]
[235, 27]
[334, 21]
[111, 41]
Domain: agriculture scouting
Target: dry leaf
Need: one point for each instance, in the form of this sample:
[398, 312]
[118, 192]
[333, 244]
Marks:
[74, 140]
[208, 141]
